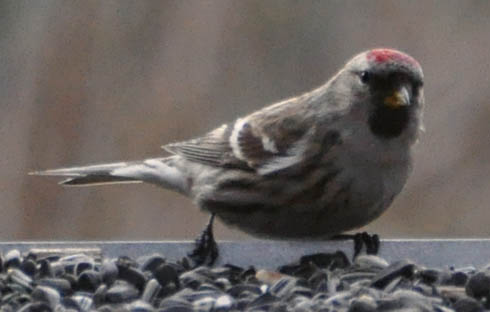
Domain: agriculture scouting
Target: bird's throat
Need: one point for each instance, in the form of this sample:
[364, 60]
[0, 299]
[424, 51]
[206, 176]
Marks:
[389, 123]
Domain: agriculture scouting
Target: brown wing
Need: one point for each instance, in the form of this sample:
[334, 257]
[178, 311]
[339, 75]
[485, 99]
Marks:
[243, 146]
[269, 140]
[212, 149]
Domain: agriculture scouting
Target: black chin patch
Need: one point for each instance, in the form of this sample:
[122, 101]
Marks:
[388, 123]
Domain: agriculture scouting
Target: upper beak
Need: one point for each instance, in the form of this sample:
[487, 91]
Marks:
[398, 98]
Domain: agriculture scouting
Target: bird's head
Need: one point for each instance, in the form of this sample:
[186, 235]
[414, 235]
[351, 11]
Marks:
[388, 85]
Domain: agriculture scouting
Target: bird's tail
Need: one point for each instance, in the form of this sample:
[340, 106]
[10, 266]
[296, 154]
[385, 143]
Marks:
[158, 171]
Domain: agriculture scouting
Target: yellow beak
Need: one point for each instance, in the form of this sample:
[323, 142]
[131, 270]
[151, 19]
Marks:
[398, 99]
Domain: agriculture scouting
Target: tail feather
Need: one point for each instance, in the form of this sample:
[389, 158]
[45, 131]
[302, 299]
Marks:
[93, 180]
[90, 175]
[80, 171]
[156, 171]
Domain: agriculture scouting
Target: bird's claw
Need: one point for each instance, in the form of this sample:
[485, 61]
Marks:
[205, 251]
[371, 242]
[364, 239]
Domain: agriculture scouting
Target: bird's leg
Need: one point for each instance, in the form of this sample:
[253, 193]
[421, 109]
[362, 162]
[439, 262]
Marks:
[361, 239]
[372, 244]
[206, 250]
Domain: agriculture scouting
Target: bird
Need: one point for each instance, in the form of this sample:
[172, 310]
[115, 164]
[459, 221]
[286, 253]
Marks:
[309, 167]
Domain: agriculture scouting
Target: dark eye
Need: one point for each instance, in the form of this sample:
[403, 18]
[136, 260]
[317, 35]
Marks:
[365, 76]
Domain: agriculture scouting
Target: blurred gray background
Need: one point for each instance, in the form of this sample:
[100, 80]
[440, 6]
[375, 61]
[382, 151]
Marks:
[83, 82]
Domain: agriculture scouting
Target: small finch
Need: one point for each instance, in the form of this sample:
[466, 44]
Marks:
[310, 167]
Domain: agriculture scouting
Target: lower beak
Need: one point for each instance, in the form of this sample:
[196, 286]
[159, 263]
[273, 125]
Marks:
[399, 98]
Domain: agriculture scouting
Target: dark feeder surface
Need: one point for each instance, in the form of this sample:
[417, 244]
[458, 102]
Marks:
[51, 278]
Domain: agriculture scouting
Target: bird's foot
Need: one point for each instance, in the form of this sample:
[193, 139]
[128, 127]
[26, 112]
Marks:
[206, 250]
[371, 242]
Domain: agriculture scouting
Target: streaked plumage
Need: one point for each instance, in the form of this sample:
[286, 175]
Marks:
[313, 166]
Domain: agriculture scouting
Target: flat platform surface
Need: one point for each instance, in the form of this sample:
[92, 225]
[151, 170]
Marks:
[271, 254]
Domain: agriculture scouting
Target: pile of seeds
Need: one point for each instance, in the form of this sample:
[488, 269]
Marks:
[320, 282]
